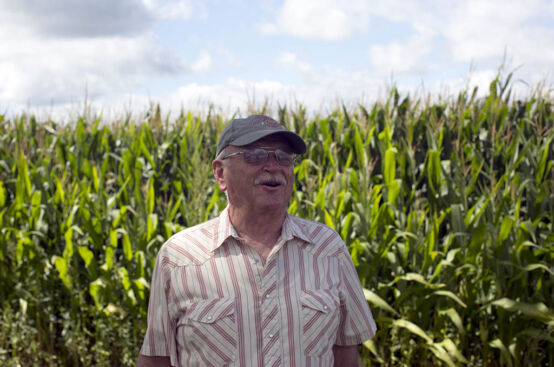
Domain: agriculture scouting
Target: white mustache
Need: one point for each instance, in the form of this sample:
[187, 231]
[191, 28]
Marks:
[279, 178]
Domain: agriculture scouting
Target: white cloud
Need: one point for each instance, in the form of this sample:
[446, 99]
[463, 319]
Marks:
[486, 29]
[52, 52]
[268, 28]
[233, 92]
[289, 60]
[203, 64]
[326, 90]
[172, 9]
[476, 31]
[400, 57]
[98, 18]
[319, 19]
[56, 71]
[74, 18]
[229, 56]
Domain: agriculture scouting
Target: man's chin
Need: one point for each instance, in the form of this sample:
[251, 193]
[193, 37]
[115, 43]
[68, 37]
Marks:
[271, 206]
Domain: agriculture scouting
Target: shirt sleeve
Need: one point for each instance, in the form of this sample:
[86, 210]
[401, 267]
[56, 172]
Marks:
[160, 334]
[356, 321]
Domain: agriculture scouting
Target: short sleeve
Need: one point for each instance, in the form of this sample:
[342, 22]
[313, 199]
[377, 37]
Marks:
[160, 334]
[356, 321]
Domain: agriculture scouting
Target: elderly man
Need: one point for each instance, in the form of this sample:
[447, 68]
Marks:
[255, 286]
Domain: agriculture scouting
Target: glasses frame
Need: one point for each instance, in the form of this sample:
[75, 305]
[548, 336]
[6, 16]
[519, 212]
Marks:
[268, 150]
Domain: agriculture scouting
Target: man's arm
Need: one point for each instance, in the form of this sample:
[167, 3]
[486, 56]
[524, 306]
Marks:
[155, 361]
[346, 356]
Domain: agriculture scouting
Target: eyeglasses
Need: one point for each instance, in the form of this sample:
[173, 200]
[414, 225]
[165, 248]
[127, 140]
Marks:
[260, 155]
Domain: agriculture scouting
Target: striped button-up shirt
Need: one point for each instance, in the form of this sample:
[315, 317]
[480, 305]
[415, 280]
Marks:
[215, 302]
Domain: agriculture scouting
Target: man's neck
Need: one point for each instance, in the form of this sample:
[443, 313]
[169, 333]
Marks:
[259, 230]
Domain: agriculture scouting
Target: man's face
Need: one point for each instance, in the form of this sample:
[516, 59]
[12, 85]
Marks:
[256, 188]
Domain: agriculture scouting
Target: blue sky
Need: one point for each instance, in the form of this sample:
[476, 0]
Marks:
[123, 55]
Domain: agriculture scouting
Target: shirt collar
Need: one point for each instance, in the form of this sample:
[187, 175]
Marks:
[292, 227]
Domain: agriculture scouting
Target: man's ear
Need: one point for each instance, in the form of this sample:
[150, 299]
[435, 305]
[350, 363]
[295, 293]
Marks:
[218, 167]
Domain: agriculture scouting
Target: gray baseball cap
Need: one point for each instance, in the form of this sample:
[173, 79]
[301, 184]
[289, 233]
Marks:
[243, 131]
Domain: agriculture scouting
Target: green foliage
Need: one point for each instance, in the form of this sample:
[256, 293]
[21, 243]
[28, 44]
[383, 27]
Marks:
[446, 207]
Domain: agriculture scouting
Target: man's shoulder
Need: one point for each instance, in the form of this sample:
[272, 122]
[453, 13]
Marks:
[325, 239]
[308, 225]
[191, 246]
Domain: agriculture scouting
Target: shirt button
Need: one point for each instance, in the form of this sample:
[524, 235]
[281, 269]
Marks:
[208, 318]
[325, 308]
[271, 335]
[267, 296]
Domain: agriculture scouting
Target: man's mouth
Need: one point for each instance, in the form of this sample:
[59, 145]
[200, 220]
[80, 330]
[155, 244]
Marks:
[271, 184]
[274, 181]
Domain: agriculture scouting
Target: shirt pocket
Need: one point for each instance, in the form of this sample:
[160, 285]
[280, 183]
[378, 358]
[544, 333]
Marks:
[320, 321]
[210, 332]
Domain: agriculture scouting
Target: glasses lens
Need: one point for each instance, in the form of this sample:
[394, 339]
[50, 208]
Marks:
[284, 158]
[260, 156]
[255, 156]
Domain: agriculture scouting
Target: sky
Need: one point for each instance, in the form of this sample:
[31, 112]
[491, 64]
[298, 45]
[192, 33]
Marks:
[125, 55]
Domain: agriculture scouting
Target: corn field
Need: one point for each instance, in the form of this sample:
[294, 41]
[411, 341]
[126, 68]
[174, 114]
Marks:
[447, 207]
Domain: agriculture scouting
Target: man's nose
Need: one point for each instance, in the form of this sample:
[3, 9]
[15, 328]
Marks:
[272, 161]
